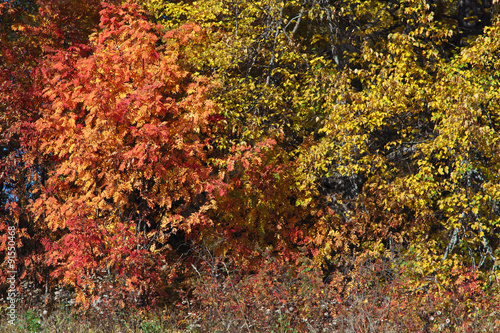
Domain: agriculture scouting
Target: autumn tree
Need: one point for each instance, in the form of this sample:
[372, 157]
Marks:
[357, 91]
[330, 129]
[124, 132]
[421, 134]
[29, 30]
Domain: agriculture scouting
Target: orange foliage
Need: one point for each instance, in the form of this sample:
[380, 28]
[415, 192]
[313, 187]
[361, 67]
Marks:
[127, 133]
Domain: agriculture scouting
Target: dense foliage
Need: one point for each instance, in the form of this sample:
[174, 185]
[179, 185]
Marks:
[149, 145]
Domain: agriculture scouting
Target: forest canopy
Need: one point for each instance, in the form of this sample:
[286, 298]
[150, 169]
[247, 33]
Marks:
[141, 139]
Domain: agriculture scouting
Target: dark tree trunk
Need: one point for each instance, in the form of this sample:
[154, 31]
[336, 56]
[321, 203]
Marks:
[473, 16]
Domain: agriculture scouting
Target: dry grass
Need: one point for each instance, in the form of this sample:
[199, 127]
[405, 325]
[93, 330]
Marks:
[61, 321]
[279, 298]
[355, 318]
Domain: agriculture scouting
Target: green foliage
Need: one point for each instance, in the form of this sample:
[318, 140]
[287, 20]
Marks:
[150, 327]
[33, 322]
